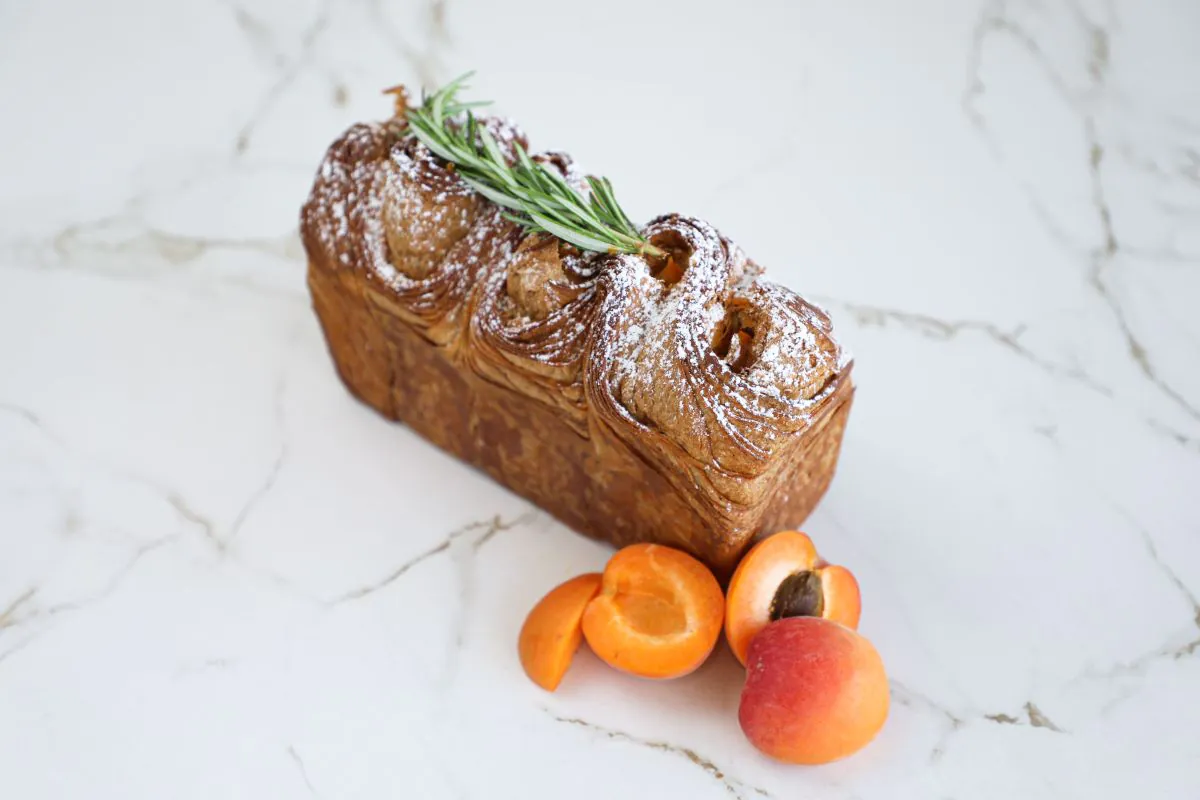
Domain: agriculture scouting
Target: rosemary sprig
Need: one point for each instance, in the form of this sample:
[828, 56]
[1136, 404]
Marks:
[532, 194]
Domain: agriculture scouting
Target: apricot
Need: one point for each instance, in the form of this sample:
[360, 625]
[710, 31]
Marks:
[782, 576]
[815, 691]
[551, 634]
[658, 613]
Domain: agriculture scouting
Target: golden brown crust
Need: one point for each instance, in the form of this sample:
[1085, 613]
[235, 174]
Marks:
[691, 403]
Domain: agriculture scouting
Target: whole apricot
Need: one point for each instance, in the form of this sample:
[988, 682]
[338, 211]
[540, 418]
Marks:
[815, 692]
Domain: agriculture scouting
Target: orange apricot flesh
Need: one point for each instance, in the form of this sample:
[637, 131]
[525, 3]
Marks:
[816, 691]
[782, 576]
[552, 633]
[658, 613]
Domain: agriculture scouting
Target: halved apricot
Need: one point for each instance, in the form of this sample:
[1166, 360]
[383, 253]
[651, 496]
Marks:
[551, 634]
[782, 576]
[658, 613]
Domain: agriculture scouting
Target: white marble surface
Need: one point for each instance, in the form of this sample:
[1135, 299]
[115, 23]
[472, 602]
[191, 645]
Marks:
[221, 577]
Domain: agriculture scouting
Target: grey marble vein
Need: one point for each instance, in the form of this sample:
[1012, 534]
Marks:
[299, 762]
[482, 530]
[1034, 718]
[8, 615]
[426, 61]
[733, 786]
[286, 69]
[268, 483]
[1099, 257]
[943, 329]
[12, 619]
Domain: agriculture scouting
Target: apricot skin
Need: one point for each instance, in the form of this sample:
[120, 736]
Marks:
[816, 691]
[552, 633]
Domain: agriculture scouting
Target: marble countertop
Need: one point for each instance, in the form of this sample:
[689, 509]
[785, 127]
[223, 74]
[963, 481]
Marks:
[222, 577]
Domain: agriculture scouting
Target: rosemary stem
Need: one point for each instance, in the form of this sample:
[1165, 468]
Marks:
[538, 196]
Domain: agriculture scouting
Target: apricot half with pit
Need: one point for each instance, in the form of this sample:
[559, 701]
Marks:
[815, 691]
[782, 576]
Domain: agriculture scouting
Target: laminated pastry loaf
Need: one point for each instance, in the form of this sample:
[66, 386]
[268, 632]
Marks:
[688, 402]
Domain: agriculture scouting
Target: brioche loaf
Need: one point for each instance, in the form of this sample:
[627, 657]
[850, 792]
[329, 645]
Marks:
[689, 401]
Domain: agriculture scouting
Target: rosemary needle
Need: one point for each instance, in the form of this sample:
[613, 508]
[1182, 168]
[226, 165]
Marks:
[532, 194]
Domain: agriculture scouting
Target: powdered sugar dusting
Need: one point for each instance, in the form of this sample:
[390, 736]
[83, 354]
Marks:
[724, 365]
[664, 371]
